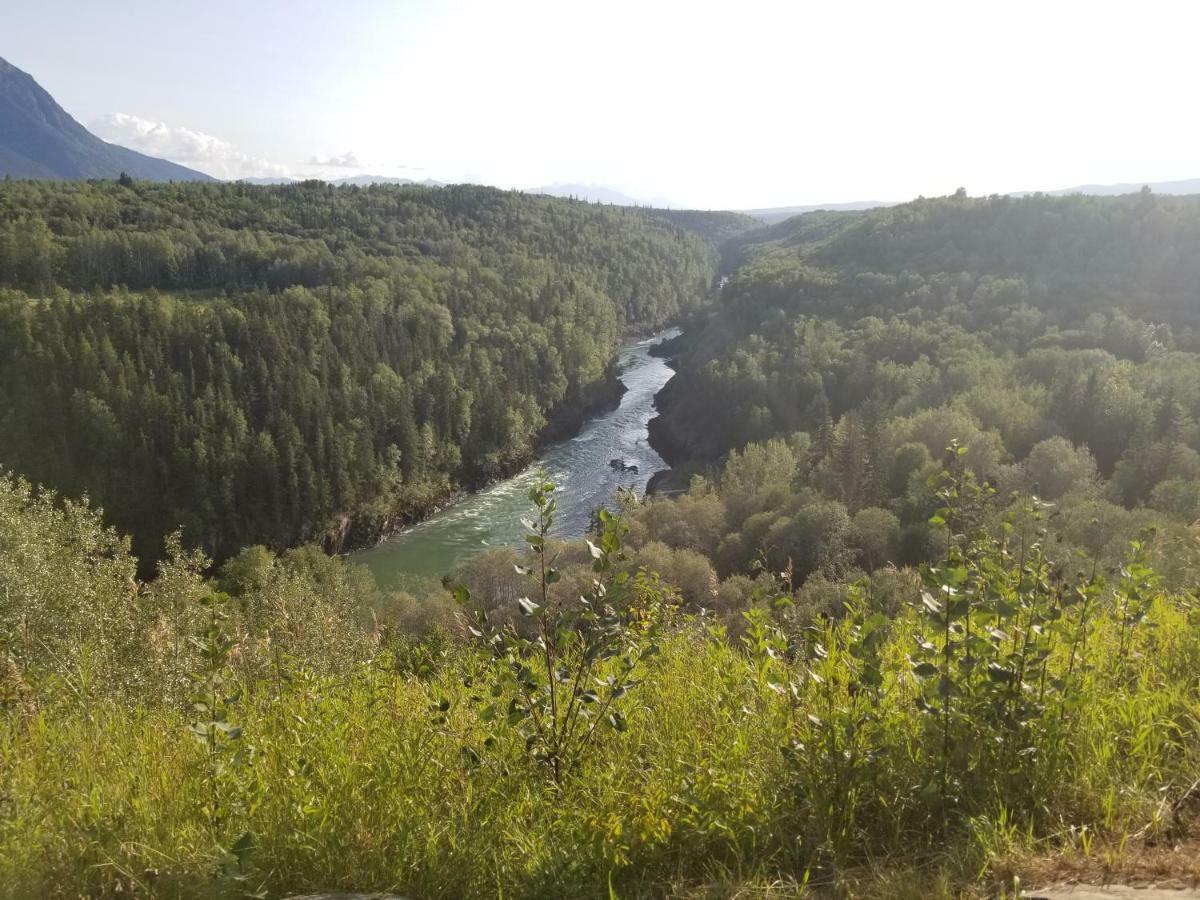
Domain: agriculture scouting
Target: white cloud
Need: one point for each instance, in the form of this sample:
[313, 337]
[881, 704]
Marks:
[185, 146]
[346, 160]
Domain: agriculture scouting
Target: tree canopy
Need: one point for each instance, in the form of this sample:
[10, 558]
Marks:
[280, 364]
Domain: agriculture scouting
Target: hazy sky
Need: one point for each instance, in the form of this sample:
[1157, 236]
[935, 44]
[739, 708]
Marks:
[734, 104]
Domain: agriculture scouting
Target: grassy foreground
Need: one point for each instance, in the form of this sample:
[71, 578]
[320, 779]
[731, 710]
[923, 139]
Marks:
[1010, 708]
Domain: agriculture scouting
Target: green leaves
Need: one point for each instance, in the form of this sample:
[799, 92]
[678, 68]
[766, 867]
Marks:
[1000, 674]
[214, 703]
[575, 671]
[924, 669]
[439, 706]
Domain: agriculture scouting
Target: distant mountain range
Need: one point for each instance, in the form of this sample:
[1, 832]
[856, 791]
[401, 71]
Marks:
[593, 193]
[777, 214]
[359, 180]
[1188, 186]
[364, 180]
[38, 139]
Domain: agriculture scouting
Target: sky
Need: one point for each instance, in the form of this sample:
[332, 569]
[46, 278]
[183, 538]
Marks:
[739, 104]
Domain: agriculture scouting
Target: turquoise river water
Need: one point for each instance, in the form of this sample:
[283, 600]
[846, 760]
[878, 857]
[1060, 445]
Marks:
[579, 466]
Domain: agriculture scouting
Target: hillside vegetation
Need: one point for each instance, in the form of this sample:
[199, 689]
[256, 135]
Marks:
[1057, 338]
[605, 739]
[278, 364]
[924, 619]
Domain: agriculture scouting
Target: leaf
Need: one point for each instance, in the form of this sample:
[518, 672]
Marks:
[527, 606]
[462, 595]
[617, 720]
[594, 550]
[946, 687]
[999, 674]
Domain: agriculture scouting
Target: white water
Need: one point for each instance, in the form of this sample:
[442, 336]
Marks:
[579, 466]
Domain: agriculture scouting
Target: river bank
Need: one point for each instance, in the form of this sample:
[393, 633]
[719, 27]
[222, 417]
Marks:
[579, 464]
[353, 534]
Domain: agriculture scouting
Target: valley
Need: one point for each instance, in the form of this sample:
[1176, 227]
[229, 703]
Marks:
[364, 528]
[929, 544]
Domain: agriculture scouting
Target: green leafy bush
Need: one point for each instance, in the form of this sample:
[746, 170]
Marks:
[602, 744]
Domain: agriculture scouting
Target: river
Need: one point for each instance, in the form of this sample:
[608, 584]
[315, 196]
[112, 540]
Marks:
[579, 466]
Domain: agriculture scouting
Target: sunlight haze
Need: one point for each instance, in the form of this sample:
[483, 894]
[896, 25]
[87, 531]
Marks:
[684, 104]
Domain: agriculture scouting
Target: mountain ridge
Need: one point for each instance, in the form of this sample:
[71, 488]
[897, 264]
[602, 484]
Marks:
[590, 193]
[1181, 187]
[40, 140]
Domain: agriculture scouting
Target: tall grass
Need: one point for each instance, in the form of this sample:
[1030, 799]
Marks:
[348, 783]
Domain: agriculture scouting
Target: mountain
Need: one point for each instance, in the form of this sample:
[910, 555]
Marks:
[776, 214]
[352, 180]
[1188, 186]
[593, 193]
[38, 139]
[365, 180]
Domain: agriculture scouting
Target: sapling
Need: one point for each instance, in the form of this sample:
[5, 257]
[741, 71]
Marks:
[558, 687]
[214, 701]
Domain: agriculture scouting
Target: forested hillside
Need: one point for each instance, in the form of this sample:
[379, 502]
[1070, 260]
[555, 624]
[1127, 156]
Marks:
[924, 620]
[717, 227]
[279, 364]
[1056, 338]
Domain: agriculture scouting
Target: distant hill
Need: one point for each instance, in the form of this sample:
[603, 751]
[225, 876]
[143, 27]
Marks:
[714, 225]
[38, 139]
[775, 214]
[364, 180]
[1188, 186]
[355, 180]
[593, 193]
